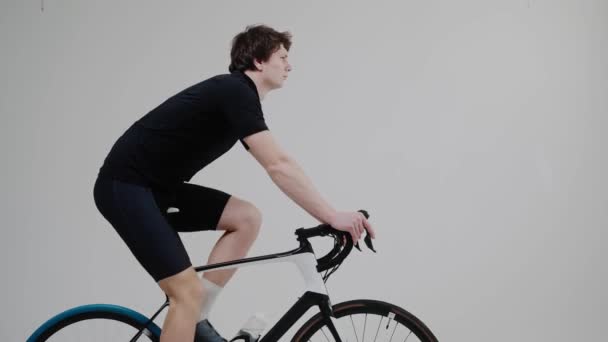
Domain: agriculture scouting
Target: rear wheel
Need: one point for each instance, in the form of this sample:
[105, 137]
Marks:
[92, 325]
[363, 320]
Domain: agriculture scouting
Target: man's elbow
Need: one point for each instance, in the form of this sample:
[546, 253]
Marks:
[279, 166]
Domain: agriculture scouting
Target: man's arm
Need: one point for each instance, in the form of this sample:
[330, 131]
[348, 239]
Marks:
[291, 179]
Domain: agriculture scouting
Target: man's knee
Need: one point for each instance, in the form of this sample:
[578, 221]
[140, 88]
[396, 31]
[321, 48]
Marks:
[241, 216]
[184, 287]
[252, 219]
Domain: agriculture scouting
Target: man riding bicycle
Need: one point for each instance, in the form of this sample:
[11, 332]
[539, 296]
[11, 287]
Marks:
[143, 186]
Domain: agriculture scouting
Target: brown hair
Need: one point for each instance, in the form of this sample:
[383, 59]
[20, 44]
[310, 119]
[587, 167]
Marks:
[257, 42]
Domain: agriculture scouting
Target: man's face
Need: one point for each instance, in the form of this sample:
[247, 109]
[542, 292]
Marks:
[276, 68]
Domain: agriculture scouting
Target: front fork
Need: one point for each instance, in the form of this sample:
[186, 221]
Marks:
[327, 312]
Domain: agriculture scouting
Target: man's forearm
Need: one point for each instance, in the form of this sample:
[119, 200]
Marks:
[292, 180]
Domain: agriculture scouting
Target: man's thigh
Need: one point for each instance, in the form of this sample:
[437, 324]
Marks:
[194, 207]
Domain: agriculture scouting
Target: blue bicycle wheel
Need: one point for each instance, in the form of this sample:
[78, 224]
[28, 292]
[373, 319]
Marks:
[97, 322]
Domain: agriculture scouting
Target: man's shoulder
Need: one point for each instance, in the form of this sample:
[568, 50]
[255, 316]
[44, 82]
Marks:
[227, 79]
[219, 84]
[233, 84]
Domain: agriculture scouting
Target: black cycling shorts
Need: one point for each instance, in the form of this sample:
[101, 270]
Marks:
[139, 215]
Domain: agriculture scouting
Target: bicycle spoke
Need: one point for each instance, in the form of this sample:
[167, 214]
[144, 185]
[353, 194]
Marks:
[354, 329]
[325, 335]
[364, 325]
[408, 335]
[395, 328]
[378, 330]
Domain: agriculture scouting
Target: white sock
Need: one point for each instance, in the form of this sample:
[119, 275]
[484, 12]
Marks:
[213, 290]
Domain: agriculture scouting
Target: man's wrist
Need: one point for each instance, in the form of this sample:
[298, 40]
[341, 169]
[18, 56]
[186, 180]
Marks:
[331, 217]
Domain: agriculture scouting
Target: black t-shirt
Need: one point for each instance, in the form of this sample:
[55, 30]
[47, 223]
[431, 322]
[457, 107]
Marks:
[185, 133]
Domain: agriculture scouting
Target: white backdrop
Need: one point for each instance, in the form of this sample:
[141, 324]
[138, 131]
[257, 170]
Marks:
[474, 132]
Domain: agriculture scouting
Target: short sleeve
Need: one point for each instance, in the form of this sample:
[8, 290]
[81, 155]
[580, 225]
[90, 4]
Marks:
[242, 110]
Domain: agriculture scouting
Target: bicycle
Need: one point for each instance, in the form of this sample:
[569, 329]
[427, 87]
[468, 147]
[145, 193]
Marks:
[329, 323]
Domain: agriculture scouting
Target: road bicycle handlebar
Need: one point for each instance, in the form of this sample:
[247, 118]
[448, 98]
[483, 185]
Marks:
[343, 243]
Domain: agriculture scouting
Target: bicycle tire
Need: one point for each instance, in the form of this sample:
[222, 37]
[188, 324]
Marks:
[59, 323]
[368, 307]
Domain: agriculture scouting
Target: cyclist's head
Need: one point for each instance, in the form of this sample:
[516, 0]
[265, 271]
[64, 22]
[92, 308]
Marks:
[258, 43]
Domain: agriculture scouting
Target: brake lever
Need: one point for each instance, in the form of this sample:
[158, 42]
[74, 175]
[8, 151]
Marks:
[368, 242]
[368, 238]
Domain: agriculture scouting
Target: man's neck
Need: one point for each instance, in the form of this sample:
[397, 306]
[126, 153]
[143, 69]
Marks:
[256, 77]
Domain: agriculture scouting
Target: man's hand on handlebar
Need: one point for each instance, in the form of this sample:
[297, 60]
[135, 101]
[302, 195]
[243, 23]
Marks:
[352, 222]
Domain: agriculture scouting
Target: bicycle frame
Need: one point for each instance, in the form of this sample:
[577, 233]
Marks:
[316, 291]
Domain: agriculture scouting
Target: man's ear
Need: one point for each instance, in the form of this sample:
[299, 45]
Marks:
[257, 64]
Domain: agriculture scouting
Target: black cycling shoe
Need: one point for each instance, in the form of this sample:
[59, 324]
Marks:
[205, 332]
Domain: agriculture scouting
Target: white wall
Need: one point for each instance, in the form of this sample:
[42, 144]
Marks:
[473, 132]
